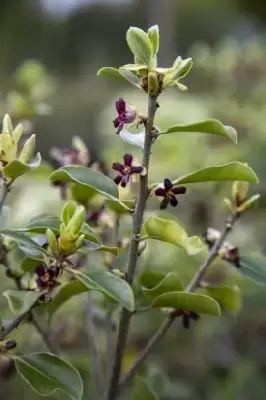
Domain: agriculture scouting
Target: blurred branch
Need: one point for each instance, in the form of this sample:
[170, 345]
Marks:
[172, 316]
[3, 192]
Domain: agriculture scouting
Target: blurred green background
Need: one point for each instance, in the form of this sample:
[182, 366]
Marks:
[219, 359]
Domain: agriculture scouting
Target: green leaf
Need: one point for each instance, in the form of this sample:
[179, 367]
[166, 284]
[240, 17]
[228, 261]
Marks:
[64, 293]
[154, 37]
[254, 267]
[233, 171]
[134, 67]
[120, 73]
[171, 232]
[142, 391]
[170, 283]
[27, 245]
[94, 182]
[139, 44]
[122, 207]
[108, 249]
[198, 303]
[15, 168]
[109, 284]
[47, 374]
[209, 126]
[29, 264]
[20, 300]
[229, 297]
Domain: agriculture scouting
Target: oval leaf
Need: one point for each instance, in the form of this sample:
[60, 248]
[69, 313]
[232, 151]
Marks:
[97, 182]
[109, 284]
[142, 391]
[47, 374]
[170, 283]
[120, 73]
[16, 168]
[254, 267]
[64, 293]
[154, 37]
[170, 232]
[198, 303]
[139, 44]
[20, 300]
[122, 207]
[234, 171]
[229, 297]
[210, 126]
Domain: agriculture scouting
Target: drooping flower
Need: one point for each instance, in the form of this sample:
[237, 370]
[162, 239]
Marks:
[187, 316]
[168, 193]
[126, 114]
[127, 171]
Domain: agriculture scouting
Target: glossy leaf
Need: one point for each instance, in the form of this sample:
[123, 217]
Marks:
[233, 171]
[64, 293]
[142, 391]
[27, 245]
[120, 73]
[197, 303]
[16, 168]
[170, 283]
[139, 44]
[47, 374]
[171, 232]
[254, 267]
[134, 67]
[20, 300]
[210, 126]
[122, 207]
[228, 297]
[109, 284]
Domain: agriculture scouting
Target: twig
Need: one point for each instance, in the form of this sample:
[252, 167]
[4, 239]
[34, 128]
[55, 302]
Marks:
[109, 343]
[171, 317]
[17, 321]
[3, 192]
[94, 351]
[133, 252]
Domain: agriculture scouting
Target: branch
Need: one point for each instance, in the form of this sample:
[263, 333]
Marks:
[133, 252]
[3, 192]
[171, 317]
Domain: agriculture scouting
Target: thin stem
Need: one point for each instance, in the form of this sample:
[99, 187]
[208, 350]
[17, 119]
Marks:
[133, 252]
[171, 317]
[3, 192]
[109, 342]
[94, 350]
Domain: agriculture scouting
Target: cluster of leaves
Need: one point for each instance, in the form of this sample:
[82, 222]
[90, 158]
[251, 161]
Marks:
[56, 250]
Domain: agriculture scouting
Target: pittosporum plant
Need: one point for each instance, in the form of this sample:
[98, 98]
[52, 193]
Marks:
[95, 200]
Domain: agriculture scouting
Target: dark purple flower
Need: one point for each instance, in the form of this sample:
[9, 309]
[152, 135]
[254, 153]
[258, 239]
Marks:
[168, 192]
[187, 316]
[126, 115]
[127, 170]
[46, 277]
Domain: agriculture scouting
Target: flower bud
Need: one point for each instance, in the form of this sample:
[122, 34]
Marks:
[28, 149]
[153, 85]
[77, 220]
[7, 367]
[8, 344]
[52, 241]
[68, 211]
[7, 124]
[17, 133]
[248, 203]
[239, 192]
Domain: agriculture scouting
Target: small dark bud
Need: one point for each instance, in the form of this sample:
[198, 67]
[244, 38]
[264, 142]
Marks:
[7, 367]
[9, 344]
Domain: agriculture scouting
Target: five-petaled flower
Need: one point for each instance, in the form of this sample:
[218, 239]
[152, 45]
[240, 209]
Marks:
[127, 171]
[168, 193]
[46, 277]
[126, 115]
[187, 316]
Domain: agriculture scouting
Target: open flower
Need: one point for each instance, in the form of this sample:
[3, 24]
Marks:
[46, 277]
[127, 171]
[168, 193]
[126, 114]
[187, 316]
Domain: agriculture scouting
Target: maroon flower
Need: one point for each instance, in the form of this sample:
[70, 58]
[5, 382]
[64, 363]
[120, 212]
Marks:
[168, 192]
[127, 170]
[126, 115]
[46, 277]
[187, 316]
